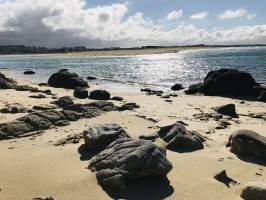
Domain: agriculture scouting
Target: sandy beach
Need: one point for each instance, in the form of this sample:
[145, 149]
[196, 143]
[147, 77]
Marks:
[33, 167]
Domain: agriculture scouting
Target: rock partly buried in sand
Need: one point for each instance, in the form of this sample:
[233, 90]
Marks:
[226, 82]
[128, 106]
[248, 143]
[100, 95]
[67, 80]
[43, 198]
[179, 139]
[99, 137]
[128, 159]
[62, 102]
[254, 191]
[38, 96]
[29, 72]
[177, 87]
[44, 107]
[14, 108]
[117, 98]
[229, 109]
[103, 105]
[7, 83]
[81, 93]
[91, 78]
[26, 88]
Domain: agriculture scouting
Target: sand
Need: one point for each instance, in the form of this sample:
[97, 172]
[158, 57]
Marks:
[34, 167]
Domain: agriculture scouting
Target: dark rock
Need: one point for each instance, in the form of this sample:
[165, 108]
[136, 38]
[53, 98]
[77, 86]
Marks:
[146, 90]
[48, 92]
[62, 123]
[14, 108]
[99, 137]
[248, 143]
[127, 159]
[43, 84]
[223, 178]
[100, 95]
[14, 129]
[91, 78]
[254, 191]
[262, 96]
[66, 79]
[179, 139]
[116, 98]
[103, 105]
[177, 87]
[64, 101]
[38, 96]
[38, 122]
[87, 110]
[151, 137]
[228, 109]
[7, 83]
[43, 198]
[26, 88]
[128, 106]
[29, 72]
[44, 107]
[71, 115]
[166, 97]
[81, 93]
[226, 82]
[52, 115]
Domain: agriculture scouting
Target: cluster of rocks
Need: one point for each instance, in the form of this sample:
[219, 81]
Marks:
[122, 159]
[14, 108]
[149, 91]
[228, 82]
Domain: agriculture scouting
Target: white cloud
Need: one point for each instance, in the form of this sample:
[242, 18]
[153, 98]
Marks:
[57, 23]
[175, 14]
[201, 15]
[231, 14]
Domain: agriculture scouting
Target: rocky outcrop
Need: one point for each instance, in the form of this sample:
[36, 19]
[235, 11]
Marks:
[14, 108]
[64, 101]
[81, 93]
[7, 83]
[178, 138]
[254, 191]
[99, 137]
[128, 159]
[248, 144]
[226, 82]
[66, 79]
[100, 95]
[262, 96]
[229, 109]
[177, 87]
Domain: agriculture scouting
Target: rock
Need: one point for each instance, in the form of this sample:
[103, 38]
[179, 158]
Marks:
[65, 79]
[128, 159]
[248, 143]
[38, 122]
[7, 83]
[179, 139]
[262, 96]
[223, 178]
[228, 109]
[91, 78]
[99, 137]
[116, 98]
[62, 123]
[71, 115]
[48, 92]
[166, 97]
[100, 95]
[81, 93]
[103, 105]
[177, 87]
[146, 90]
[38, 96]
[52, 115]
[87, 110]
[64, 101]
[44, 107]
[26, 88]
[254, 191]
[43, 198]
[29, 72]
[226, 82]
[43, 84]
[128, 106]
[14, 108]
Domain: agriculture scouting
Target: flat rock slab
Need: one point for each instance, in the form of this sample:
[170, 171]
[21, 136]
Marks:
[248, 143]
[254, 191]
[99, 137]
[128, 159]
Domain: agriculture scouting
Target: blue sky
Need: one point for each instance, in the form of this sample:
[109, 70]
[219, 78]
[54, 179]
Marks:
[105, 23]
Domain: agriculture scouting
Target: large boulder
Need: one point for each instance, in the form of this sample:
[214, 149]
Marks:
[100, 95]
[226, 82]
[254, 191]
[179, 139]
[66, 79]
[248, 143]
[177, 87]
[81, 93]
[7, 83]
[128, 159]
[99, 137]
[228, 109]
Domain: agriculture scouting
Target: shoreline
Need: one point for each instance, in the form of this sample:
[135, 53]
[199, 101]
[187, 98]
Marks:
[34, 167]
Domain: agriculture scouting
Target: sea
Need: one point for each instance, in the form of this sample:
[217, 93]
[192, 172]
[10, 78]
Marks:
[130, 73]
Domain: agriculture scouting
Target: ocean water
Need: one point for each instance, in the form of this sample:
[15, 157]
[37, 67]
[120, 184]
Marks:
[130, 73]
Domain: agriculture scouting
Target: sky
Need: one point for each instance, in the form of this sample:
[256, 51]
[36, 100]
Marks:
[131, 23]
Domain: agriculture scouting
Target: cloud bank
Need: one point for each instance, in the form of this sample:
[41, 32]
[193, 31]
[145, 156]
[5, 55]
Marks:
[57, 23]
